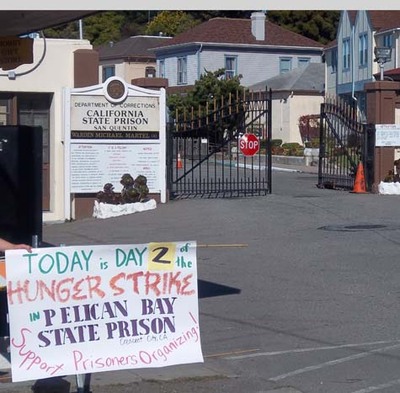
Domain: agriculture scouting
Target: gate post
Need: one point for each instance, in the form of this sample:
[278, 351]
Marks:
[382, 101]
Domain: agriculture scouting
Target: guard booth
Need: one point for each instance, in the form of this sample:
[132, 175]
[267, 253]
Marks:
[20, 194]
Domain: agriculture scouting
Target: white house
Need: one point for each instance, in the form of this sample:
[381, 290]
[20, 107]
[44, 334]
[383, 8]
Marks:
[255, 48]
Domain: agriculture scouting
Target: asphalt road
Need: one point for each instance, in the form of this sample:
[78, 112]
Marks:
[302, 297]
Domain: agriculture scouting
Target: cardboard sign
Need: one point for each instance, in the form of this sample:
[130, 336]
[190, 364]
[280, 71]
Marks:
[15, 51]
[86, 309]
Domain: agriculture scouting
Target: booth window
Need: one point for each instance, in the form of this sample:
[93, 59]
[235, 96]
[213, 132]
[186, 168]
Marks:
[150, 72]
[108, 72]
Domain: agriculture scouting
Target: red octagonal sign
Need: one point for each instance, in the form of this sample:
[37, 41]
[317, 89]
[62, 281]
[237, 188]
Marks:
[249, 144]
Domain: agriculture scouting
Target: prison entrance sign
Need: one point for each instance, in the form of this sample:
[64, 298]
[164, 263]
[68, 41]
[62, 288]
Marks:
[112, 129]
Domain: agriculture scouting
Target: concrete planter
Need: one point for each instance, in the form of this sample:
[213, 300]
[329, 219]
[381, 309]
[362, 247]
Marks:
[106, 210]
[386, 188]
[311, 156]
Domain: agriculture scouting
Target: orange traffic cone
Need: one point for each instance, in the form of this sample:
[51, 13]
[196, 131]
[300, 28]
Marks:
[359, 184]
[179, 162]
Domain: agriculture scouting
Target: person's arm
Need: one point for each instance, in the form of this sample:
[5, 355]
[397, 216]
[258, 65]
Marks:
[6, 245]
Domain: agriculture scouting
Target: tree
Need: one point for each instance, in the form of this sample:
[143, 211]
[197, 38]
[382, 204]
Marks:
[104, 27]
[320, 26]
[208, 89]
[115, 25]
[98, 29]
[171, 23]
[214, 98]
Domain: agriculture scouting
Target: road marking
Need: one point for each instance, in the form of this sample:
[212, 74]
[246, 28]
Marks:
[379, 387]
[289, 351]
[223, 354]
[333, 362]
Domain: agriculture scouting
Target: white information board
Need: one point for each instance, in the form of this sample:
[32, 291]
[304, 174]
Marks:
[387, 135]
[112, 129]
[93, 165]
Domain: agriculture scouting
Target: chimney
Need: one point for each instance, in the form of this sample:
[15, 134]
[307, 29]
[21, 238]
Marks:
[258, 25]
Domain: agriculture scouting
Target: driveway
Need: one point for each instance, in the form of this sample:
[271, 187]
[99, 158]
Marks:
[298, 291]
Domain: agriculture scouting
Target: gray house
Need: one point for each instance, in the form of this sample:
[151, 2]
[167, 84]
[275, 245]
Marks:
[254, 48]
[351, 60]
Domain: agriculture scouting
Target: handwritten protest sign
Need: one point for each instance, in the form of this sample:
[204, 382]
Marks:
[85, 309]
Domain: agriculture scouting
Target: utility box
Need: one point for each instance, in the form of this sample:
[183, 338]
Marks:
[20, 193]
[21, 183]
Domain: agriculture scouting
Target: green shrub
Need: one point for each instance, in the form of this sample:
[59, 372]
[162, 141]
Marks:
[263, 143]
[293, 149]
[276, 142]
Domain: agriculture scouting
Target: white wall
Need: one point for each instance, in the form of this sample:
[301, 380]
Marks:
[330, 73]
[362, 26]
[345, 31]
[53, 74]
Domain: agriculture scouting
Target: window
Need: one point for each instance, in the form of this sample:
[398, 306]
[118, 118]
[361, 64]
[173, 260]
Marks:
[108, 72]
[334, 60]
[363, 49]
[182, 70]
[388, 40]
[230, 67]
[346, 53]
[303, 62]
[150, 72]
[285, 64]
[5, 112]
[161, 69]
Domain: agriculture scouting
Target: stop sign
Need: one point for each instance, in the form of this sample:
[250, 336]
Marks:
[249, 144]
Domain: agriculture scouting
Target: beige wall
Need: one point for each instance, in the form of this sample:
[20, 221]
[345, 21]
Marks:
[286, 111]
[54, 72]
[125, 70]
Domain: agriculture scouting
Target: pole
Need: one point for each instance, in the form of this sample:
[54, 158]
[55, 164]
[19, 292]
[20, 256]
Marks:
[381, 67]
[82, 380]
[80, 29]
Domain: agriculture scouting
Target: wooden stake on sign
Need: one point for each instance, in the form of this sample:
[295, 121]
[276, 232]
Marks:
[221, 245]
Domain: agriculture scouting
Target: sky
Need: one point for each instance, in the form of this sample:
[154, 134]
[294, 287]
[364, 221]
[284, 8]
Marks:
[200, 5]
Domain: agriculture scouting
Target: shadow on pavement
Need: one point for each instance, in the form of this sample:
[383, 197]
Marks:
[211, 289]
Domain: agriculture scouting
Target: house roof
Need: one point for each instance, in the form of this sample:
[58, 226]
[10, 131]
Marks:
[384, 20]
[136, 46]
[393, 74]
[352, 16]
[309, 78]
[238, 31]
[331, 44]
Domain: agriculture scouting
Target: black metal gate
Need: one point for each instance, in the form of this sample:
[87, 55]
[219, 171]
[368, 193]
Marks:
[204, 157]
[344, 142]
